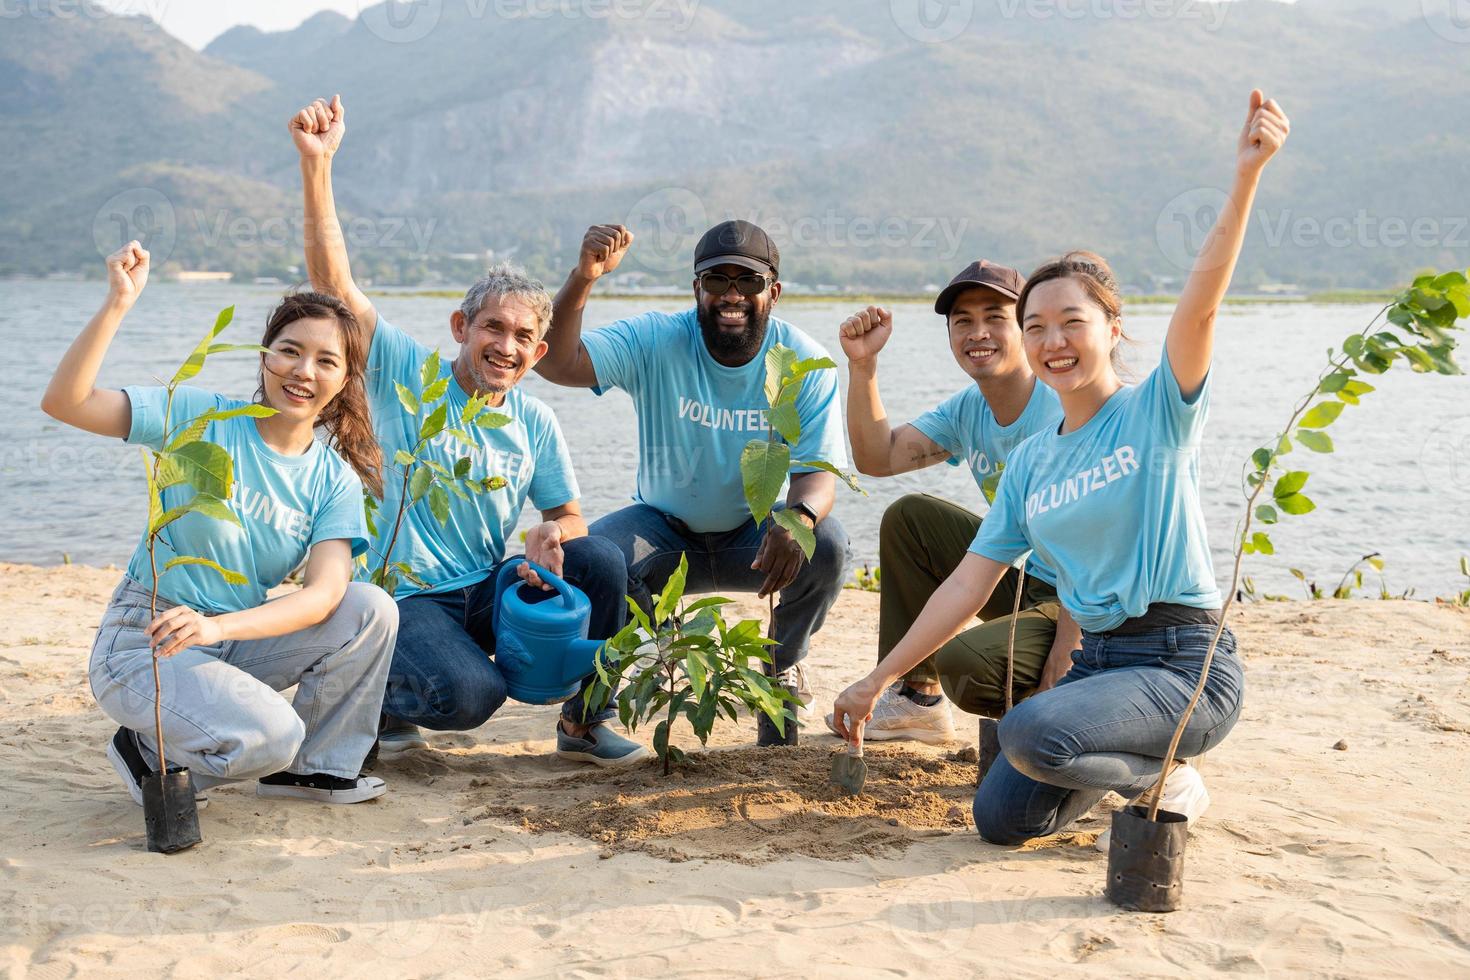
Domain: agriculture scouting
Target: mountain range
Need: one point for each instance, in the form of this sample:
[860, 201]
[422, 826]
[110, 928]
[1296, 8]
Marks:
[884, 144]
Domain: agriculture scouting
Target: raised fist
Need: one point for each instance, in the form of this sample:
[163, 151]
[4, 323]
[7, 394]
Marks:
[1266, 129]
[865, 332]
[318, 129]
[603, 248]
[127, 271]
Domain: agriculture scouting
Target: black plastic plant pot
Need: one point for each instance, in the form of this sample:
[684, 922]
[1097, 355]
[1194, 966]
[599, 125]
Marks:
[989, 746]
[169, 811]
[1146, 860]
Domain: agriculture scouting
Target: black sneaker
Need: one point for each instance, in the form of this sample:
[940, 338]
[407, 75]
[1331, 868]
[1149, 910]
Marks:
[127, 759]
[321, 787]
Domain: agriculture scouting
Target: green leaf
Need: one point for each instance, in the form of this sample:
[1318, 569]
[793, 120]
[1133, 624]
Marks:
[1354, 390]
[439, 504]
[1353, 347]
[492, 420]
[1296, 503]
[472, 407]
[1317, 442]
[1321, 415]
[763, 469]
[1262, 459]
[1262, 543]
[783, 419]
[434, 424]
[494, 483]
[709, 602]
[435, 391]
[779, 361]
[193, 430]
[1283, 446]
[418, 484]
[407, 399]
[195, 362]
[227, 348]
[231, 577]
[463, 438]
[801, 369]
[205, 466]
[661, 739]
[698, 671]
[1376, 562]
[672, 592]
[429, 371]
[1289, 483]
[1266, 514]
[403, 458]
[803, 534]
[826, 467]
[462, 467]
[459, 491]
[1334, 381]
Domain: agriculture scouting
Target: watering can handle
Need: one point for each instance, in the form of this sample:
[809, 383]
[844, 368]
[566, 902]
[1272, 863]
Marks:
[508, 572]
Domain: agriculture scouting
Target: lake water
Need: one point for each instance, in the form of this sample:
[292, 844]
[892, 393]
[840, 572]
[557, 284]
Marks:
[1399, 483]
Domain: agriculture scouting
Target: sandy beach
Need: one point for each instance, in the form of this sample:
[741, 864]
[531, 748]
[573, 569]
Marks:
[1335, 846]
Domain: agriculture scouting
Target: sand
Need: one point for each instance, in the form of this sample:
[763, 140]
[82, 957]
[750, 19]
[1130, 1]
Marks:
[1336, 844]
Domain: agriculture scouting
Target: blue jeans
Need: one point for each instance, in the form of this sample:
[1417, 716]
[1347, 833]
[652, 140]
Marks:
[1105, 727]
[443, 677]
[720, 562]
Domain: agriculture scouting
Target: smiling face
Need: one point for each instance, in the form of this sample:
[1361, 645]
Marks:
[1069, 337]
[305, 369]
[734, 325]
[498, 346]
[983, 334]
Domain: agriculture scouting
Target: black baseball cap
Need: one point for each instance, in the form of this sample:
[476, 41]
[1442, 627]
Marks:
[737, 243]
[981, 274]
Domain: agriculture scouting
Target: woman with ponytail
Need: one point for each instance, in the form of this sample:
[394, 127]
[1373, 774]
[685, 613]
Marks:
[1110, 500]
[224, 650]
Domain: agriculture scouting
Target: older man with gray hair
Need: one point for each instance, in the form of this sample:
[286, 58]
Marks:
[441, 677]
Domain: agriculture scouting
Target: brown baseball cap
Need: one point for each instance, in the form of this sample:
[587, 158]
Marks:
[981, 273]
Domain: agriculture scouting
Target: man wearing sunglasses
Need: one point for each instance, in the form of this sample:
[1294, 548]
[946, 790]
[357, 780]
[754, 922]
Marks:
[697, 380]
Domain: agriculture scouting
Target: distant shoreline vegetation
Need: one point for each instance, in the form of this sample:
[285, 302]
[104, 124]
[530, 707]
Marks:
[1335, 296]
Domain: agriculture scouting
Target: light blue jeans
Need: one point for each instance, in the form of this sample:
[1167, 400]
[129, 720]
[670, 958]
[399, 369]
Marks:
[222, 716]
[1106, 727]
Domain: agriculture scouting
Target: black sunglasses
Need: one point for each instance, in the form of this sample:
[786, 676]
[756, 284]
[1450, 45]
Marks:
[750, 284]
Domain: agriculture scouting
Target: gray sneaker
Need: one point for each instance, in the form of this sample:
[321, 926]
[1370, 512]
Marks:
[601, 747]
[397, 738]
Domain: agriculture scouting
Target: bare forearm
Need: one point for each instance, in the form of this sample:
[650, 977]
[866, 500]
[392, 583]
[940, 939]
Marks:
[952, 605]
[816, 490]
[288, 614]
[76, 375]
[566, 361]
[327, 262]
[867, 421]
[572, 526]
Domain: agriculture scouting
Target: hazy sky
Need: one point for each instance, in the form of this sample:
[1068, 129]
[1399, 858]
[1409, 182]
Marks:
[197, 22]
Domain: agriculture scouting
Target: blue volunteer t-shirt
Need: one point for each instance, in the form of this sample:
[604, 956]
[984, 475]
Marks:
[285, 505]
[1114, 506]
[529, 453]
[965, 427]
[695, 415]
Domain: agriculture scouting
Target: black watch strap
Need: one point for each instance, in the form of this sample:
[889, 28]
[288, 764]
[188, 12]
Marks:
[802, 508]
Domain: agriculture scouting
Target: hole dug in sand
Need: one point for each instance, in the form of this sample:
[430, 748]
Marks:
[748, 806]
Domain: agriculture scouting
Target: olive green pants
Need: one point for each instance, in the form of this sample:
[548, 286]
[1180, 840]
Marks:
[921, 542]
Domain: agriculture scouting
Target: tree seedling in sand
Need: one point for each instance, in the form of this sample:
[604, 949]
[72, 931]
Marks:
[1416, 328]
[698, 667]
[428, 479]
[765, 465]
[186, 459]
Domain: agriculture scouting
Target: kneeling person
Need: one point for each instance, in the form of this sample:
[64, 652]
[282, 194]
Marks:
[923, 538]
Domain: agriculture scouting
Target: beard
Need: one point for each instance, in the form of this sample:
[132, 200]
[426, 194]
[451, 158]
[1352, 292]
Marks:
[727, 345]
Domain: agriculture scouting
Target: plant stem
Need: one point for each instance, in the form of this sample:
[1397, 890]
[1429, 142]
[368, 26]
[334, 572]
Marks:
[397, 523]
[1348, 574]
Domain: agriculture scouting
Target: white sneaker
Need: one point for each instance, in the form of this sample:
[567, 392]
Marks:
[796, 678]
[1184, 794]
[897, 717]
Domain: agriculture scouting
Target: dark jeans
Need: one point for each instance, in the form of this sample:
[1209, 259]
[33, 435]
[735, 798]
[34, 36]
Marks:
[443, 677]
[1105, 727]
[721, 563]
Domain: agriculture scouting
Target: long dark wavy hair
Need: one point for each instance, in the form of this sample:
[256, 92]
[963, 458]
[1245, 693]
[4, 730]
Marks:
[347, 419]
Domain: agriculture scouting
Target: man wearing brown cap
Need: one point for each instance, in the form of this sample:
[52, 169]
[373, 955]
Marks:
[697, 379]
[923, 537]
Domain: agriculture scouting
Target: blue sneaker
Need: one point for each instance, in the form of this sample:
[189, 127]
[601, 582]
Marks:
[601, 747]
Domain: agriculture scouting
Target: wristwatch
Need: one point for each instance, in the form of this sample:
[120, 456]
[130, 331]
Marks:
[811, 515]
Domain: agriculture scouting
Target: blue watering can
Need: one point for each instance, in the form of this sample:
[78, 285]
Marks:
[541, 647]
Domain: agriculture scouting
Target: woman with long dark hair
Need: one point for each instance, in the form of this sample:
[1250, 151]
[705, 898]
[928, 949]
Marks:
[224, 650]
[1110, 499]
